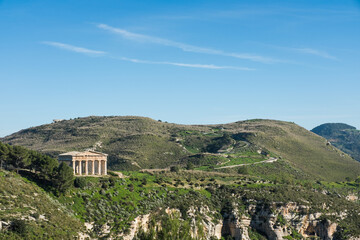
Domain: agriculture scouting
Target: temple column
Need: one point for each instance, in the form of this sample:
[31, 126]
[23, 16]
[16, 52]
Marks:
[99, 167]
[86, 167]
[80, 167]
[93, 167]
[77, 167]
[105, 167]
[73, 165]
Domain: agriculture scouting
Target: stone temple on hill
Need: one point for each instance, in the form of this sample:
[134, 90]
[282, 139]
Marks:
[86, 163]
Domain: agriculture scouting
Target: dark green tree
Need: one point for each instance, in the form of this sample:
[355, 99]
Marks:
[80, 182]
[190, 166]
[45, 165]
[19, 157]
[63, 178]
[357, 180]
[243, 170]
[4, 154]
[19, 226]
[174, 169]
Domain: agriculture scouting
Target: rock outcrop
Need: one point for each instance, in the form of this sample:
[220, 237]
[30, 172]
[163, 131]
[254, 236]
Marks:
[274, 221]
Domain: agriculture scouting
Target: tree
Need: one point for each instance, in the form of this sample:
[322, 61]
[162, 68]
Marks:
[357, 180]
[243, 170]
[43, 164]
[4, 154]
[19, 226]
[63, 178]
[19, 157]
[190, 166]
[80, 182]
[174, 169]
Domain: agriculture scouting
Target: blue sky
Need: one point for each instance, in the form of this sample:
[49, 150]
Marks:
[190, 62]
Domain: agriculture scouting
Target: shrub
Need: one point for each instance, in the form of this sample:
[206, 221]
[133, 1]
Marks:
[18, 226]
[281, 220]
[190, 166]
[80, 182]
[111, 173]
[112, 182]
[174, 169]
[243, 170]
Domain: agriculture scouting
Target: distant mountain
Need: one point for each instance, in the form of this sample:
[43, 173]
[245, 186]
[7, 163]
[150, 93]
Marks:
[135, 143]
[342, 136]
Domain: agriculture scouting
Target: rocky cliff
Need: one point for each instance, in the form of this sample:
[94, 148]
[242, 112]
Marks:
[275, 221]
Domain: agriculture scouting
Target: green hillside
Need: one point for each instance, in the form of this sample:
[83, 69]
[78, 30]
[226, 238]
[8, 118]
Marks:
[175, 203]
[342, 136]
[135, 143]
[28, 212]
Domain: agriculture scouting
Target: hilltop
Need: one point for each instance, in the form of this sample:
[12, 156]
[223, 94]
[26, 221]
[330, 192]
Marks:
[342, 136]
[135, 143]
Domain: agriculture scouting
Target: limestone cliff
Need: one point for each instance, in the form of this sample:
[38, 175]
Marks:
[274, 221]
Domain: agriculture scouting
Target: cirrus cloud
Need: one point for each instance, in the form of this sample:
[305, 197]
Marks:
[73, 48]
[183, 46]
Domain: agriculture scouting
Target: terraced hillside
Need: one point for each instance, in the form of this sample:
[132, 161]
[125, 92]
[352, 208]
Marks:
[136, 143]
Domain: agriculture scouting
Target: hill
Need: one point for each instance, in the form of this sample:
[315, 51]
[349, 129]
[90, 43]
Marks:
[135, 143]
[169, 204]
[342, 136]
[28, 212]
[184, 205]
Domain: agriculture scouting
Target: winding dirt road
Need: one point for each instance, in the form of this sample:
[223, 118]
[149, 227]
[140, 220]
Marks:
[270, 160]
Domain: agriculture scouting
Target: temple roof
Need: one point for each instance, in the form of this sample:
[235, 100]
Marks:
[85, 153]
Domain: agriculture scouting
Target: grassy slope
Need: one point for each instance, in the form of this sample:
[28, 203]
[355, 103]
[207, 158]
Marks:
[137, 142]
[119, 201]
[303, 149]
[21, 199]
[342, 136]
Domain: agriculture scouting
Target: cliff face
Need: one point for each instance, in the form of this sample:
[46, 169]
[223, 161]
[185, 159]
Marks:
[278, 221]
[275, 221]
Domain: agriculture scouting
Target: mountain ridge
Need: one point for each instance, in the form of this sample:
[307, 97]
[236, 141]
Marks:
[135, 143]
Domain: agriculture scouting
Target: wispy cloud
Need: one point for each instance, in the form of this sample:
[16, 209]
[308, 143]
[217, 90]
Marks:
[190, 65]
[315, 52]
[183, 46]
[74, 48]
[305, 50]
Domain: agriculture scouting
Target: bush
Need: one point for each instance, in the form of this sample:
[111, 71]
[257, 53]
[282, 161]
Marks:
[281, 220]
[357, 180]
[190, 166]
[174, 169]
[112, 182]
[112, 174]
[243, 170]
[80, 182]
[18, 226]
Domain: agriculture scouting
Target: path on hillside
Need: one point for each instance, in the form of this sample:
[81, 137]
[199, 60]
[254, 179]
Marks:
[270, 160]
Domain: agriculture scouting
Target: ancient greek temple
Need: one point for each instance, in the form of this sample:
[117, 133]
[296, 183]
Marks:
[86, 163]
